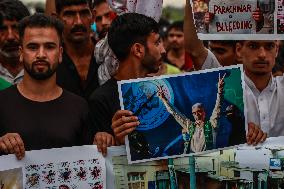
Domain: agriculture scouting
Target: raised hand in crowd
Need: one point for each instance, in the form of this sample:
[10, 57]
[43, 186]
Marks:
[123, 123]
[12, 143]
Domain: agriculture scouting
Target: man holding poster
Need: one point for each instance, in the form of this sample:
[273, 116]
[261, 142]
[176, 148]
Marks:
[47, 116]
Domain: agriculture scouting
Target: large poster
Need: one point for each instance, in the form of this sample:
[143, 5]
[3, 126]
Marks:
[64, 168]
[235, 20]
[184, 114]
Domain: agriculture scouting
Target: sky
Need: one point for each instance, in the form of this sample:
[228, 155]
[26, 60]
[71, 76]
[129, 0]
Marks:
[176, 3]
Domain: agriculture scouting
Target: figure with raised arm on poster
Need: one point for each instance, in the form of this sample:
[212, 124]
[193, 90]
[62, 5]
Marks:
[199, 134]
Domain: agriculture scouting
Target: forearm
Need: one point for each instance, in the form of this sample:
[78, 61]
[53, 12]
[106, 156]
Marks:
[216, 111]
[193, 45]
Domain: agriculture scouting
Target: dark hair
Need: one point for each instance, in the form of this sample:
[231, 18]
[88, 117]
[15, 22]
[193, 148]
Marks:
[40, 20]
[231, 43]
[178, 25]
[60, 4]
[13, 10]
[128, 29]
[97, 2]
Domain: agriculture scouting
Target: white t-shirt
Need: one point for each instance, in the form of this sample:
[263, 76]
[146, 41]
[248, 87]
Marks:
[265, 108]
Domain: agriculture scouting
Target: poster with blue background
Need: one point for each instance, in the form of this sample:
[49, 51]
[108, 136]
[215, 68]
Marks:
[185, 113]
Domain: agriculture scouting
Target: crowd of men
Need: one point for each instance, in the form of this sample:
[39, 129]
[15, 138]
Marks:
[50, 80]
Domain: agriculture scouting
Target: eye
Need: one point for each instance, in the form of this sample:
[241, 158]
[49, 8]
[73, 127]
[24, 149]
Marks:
[69, 14]
[32, 47]
[270, 46]
[253, 46]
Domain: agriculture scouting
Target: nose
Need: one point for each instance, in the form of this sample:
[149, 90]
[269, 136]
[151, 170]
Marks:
[78, 19]
[41, 53]
[262, 53]
[11, 34]
[105, 21]
[162, 49]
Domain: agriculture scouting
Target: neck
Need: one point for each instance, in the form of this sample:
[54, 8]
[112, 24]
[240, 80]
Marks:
[129, 70]
[85, 48]
[12, 65]
[39, 90]
[177, 53]
[260, 81]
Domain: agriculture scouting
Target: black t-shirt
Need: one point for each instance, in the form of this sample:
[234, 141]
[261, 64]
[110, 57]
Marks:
[103, 103]
[68, 77]
[61, 122]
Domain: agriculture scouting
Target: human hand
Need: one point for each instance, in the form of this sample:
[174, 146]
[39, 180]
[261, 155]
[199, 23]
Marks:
[11, 143]
[103, 140]
[123, 123]
[255, 135]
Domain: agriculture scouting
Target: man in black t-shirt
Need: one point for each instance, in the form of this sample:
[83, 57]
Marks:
[46, 115]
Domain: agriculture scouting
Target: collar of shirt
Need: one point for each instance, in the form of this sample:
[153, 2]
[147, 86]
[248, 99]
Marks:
[271, 85]
[5, 74]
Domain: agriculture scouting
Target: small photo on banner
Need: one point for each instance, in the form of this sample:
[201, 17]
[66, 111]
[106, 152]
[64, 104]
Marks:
[184, 114]
[12, 178]
[238, 19]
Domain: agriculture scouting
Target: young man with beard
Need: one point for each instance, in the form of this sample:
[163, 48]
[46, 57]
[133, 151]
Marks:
[11, 70]
[263, 93]
[78, 71]
[103, 16]
[47, 116]
[135, 41]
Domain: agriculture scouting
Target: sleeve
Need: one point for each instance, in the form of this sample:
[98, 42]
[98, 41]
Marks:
[99, 115]
[210, 61]
[88, 130]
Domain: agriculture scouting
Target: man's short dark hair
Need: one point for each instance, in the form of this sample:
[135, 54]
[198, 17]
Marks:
[60, 4]
[178, 25]
[97, 2]
[231, 43]
[40, 20]
[128, 29]
[13, 10]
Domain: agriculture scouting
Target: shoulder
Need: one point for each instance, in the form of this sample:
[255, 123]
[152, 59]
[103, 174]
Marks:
[9, 92]
[210, 61]
[107, 90]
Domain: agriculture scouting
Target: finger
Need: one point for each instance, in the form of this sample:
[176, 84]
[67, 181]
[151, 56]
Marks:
[258, 137]
[121, 113]
[123, 120]
[99, 142]
[251, 128]
[16, 147]
[223, 76]
[125, 126]
[125, 132]
[263, 137]
[3, 147]
[104, 145]
[20, 144]
[254, 135]
[9, 146]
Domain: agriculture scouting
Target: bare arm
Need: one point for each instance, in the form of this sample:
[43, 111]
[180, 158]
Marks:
[217, 109]
[193, 45]
[179, 117]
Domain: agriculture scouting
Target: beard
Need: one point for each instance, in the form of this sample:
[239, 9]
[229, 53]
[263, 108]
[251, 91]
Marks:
[150, 62]
[40, 75]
